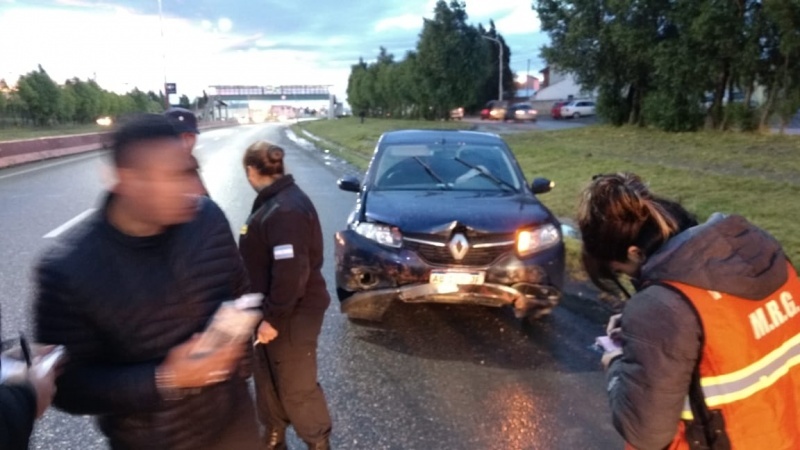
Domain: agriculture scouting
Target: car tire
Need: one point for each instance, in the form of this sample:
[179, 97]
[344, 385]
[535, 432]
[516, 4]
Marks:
[577, 115]
[537, 315]
[343, 294]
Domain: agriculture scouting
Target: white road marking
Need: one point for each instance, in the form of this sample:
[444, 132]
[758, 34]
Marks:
[47, 166]
[71, 223]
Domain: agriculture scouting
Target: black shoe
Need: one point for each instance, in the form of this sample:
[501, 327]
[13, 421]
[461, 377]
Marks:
[324, 444]
[275, 439]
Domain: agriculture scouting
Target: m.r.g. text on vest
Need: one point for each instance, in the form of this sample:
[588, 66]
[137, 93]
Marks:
[773, 314]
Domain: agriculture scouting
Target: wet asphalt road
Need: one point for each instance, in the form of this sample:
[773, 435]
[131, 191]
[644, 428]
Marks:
[429, 377]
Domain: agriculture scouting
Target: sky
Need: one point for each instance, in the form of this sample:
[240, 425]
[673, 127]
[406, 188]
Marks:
[231, 42]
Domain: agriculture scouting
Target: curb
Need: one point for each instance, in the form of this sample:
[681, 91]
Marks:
[41, 155]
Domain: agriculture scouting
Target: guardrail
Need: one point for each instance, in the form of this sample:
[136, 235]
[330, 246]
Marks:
[29, 150]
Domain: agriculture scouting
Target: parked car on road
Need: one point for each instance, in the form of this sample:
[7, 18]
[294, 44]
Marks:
[521, 112]
[497, 110]
[457, 114]
[555, 111]
[579, 108]
[447, 216]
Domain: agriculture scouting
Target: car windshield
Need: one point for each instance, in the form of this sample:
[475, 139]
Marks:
[460, 167]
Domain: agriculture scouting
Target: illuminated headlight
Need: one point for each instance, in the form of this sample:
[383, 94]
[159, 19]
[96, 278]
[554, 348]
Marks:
[531, 241]
[382, 234]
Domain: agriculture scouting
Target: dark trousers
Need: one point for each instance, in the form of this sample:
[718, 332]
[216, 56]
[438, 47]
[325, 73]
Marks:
[243, 432]
[285, 373]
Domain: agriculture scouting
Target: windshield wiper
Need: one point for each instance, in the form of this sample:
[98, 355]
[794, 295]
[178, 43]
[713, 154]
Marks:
[498, 181]
[431, 172]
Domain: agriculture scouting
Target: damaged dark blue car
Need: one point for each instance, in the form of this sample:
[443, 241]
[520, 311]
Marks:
[448, 217]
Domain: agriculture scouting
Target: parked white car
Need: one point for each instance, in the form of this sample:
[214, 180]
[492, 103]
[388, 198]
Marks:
[578, 108]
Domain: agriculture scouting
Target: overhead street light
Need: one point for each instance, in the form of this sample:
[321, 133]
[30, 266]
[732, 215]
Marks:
[163, 53]
[500, 65]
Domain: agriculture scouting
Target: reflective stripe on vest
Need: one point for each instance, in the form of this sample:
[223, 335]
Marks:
[743, 383]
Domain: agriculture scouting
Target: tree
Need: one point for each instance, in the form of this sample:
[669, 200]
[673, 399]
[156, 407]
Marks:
[40, 96]
[184, 102]
[452, 58]
[68, 104]
[783, 48]
[658, 62]
[89, 96]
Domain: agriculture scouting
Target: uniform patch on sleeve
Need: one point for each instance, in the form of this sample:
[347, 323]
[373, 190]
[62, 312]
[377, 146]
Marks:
[283, 251]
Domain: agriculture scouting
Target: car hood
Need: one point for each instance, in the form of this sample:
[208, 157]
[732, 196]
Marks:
[434, 212]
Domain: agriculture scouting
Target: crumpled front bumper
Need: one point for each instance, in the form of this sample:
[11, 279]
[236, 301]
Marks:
[376, 277]
[524, 298]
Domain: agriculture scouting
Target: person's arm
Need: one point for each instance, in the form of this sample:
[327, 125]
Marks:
[288, 233]
[219, 239]
[87, 386]
[17, 415]
[648, 385]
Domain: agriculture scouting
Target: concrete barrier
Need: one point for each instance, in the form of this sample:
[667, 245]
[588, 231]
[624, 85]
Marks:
[29, 150]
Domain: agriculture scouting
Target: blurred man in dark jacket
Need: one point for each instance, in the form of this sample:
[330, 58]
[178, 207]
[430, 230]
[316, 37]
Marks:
[128, 290]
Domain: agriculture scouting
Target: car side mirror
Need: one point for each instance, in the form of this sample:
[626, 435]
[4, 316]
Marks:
[542, 185]
[349, 184]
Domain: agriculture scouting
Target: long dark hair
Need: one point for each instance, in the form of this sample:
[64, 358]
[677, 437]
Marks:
[618, 211]
[266, 158]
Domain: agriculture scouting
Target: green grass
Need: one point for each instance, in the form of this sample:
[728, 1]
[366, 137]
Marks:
[757, 176]
[754, 175]
[11, 133]
[356, 141]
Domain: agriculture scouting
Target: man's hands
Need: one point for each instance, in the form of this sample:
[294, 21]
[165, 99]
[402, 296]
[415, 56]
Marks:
[184, 371]
[44, 384]
[266, 333]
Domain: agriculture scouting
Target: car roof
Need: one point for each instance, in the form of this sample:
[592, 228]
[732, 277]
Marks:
[434, 135]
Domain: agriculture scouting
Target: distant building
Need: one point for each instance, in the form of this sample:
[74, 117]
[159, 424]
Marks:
[559, 86]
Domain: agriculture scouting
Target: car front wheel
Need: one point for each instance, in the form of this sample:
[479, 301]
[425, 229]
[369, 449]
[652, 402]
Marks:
[577, 115]
[343, 294]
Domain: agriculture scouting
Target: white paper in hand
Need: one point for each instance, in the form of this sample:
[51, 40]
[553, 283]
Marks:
[607, 344]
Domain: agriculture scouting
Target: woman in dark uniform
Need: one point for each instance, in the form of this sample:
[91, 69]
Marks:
[281, 245]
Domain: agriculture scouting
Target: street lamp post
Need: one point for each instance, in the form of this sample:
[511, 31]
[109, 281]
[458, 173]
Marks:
[163, 54]
[500, 65]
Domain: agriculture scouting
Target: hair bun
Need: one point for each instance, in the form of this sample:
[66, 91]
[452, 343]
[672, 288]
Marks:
[275, 154]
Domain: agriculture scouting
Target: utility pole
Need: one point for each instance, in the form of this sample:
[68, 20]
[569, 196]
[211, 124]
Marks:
[500, 64]
[163, 54]
[528, 73]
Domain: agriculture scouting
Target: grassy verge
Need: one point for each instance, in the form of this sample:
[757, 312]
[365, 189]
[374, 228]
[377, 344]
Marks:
[12, 133]
[749, 174]
[754, 175]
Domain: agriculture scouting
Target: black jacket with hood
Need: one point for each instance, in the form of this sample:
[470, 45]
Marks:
[119, 304]
[662, 335]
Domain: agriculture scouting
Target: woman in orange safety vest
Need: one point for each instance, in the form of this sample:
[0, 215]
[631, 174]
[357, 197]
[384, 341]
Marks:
[710, 342]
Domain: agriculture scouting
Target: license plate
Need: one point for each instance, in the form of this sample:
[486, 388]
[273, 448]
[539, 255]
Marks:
[456, 278]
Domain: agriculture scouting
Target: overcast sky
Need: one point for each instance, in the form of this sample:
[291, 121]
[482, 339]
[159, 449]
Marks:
[250, 42]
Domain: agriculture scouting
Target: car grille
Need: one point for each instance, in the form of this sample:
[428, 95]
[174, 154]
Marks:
[480, 256]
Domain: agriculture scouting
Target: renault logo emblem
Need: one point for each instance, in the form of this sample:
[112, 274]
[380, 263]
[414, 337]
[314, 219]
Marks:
[459, 246]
